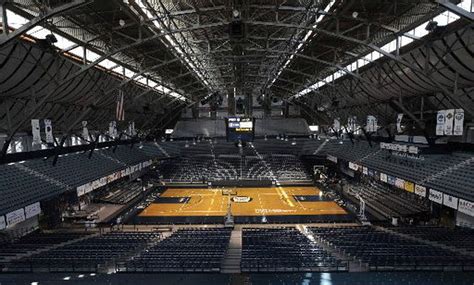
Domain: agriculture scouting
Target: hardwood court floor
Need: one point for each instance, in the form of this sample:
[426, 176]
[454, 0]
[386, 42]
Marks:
[276, 201]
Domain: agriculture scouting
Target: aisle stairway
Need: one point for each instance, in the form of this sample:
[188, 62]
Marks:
[231, 261]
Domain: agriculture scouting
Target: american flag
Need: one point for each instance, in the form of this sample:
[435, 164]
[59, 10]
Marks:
[120, 110]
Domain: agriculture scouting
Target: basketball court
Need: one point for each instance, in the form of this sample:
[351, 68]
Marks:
[245, 204]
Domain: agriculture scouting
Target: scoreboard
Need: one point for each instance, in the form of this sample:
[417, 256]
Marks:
[240, 129]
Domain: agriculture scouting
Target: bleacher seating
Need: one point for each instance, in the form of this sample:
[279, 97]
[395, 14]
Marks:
[450, 173]
[460, 238]
[86, 255]
[284, 250]
[233, 167]
[186, 250]
[75, 169]
[19, 188]
[33, 242]
[385, 251]
[41, 180]
[386, 201]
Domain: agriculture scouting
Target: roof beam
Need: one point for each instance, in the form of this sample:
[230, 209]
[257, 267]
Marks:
[451, 7]
[8, 37]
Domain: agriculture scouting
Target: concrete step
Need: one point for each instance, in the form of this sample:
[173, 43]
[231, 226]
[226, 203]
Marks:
[233, 256]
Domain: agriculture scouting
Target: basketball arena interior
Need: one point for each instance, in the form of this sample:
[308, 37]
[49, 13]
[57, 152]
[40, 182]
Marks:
[237, 142]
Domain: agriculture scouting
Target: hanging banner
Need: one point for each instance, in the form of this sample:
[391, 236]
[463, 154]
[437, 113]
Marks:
[32, 210]
[36, 131]
[383, 177]
[458, 122]
[352, 124]
[466, 207]
[113, 129]
[399, 123]
[436, 196]
[48, 129]
[450, 201]
[131, 129]
[420, 190]
[449, 122]
[371, 124]
[440, 120]
[85, 131]
[409, 186]
[400, 183]
[15, 217]
[337, 125]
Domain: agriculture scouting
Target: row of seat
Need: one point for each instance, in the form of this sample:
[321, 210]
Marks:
[284, 250]
[382, 250]
[85, 254]
[386, 201]
[459, 238]
[186, 250]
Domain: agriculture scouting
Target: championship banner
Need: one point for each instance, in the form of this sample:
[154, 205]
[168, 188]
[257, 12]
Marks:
[48, 129]
[32, 210]
[131, 129]
[85, 131]
[448, 125]
[399, 122]
[15, 217]
[440, 120]
[337, 125]
[371, 124]
[458, 122]
[436, 196]
[354, 123]
[351, 123]
[400, 183]
[391, 180]
[2, 223]
[466, 207]
[365, 170]
[36, 131]
[450, 201]
[113, 129]
[383, 177]
[409, 186]
[420, 190]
